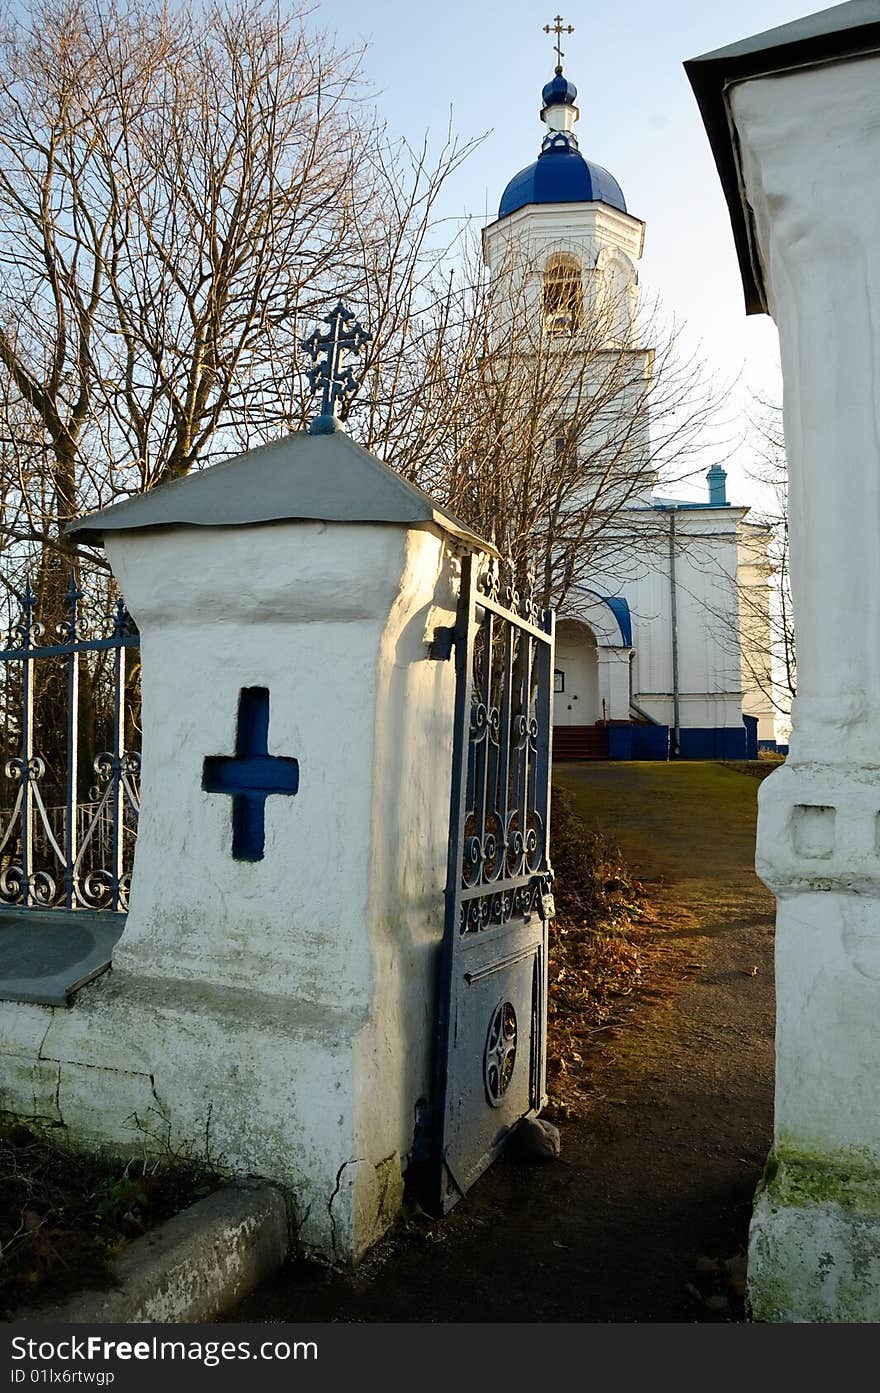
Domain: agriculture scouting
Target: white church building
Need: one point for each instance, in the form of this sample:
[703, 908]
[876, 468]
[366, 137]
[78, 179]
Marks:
[667, 656]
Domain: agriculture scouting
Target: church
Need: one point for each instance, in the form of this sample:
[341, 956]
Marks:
[663, 645]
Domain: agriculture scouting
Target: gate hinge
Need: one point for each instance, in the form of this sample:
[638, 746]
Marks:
[442, 644]
[423, 1136]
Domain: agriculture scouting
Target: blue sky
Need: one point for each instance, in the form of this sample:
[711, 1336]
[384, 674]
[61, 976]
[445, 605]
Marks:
[487, 63]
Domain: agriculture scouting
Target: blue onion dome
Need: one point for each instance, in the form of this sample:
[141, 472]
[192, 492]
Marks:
[559, 91]
[561, 174]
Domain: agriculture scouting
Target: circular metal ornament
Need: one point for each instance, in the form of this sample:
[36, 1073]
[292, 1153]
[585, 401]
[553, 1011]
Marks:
[500, 1054]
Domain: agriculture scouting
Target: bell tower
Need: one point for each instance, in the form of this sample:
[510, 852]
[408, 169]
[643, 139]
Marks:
[563, 240]
[562, 257]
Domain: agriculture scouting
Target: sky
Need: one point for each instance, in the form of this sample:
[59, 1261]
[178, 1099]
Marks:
[484, 66]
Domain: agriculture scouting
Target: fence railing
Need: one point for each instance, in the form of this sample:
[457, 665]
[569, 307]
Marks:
[68, 838]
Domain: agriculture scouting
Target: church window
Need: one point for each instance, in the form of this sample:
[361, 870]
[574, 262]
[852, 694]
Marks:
[563, 296]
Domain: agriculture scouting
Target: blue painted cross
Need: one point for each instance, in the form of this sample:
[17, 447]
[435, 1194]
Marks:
[251, 776]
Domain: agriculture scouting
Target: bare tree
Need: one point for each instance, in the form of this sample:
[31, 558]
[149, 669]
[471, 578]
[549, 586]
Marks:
[777, 651]
[181, 191]
[759, 626]
[540, 428]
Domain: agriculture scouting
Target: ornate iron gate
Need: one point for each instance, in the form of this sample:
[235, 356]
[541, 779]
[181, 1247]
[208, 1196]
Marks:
[67, 840]
[492, 1044]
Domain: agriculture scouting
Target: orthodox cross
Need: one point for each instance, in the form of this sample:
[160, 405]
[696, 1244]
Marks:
[251, 776]
[337, 383]
[558, 28]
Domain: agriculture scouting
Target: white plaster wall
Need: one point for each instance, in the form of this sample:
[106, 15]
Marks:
[809, 144]
[163, 1068]
[828, 955]
[299, 609]
[710, 684]
[412, 768]
[816, 205]
[576, 656]
[754, 582]
[278, 1013]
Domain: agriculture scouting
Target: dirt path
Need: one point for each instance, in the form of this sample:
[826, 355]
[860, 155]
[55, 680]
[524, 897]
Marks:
[661, 1172]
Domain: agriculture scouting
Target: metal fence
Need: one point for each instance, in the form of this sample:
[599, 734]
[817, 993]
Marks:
[71, 759]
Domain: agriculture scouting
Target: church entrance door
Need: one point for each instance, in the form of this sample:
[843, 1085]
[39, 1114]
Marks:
[576, 676]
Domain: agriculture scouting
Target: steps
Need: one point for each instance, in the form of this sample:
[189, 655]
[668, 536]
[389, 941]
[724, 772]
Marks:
[572, 743]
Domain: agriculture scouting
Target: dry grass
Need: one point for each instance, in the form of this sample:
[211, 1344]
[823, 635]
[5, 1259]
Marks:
[64, 1217]
[756, 768]
[598, 945]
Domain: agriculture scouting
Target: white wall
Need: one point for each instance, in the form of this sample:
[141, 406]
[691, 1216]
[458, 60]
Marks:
[283, 1009]
[710, 684]
[576, 657]
[808, 142]
[754, 582]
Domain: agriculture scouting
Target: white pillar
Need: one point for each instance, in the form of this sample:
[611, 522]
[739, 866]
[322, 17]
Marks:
[614, 681]
[280, 1011]
[809, 149]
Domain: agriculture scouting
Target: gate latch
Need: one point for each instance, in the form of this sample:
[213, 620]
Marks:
[442, 643]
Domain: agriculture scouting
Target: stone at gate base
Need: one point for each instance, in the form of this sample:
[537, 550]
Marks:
[814, 1244]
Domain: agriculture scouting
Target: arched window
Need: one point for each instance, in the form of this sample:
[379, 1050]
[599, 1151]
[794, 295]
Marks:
[563, 296]
[616, 296]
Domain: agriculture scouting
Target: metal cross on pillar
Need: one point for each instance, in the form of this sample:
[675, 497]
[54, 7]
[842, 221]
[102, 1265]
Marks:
[251, 776]
[338, 383]
[558, 28]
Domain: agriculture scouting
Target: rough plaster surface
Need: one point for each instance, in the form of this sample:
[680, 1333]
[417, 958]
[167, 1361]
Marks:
[277, 1014]
[814, 1245]
[809, 145]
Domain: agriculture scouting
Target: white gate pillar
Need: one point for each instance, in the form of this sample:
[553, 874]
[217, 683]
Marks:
[273, 996]
[794, 119]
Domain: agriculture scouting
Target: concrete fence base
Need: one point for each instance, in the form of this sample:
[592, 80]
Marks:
[191, 1268]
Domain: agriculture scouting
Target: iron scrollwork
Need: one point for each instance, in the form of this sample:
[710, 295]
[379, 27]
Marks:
[505, 831]
[499, 1057]
[57, 847]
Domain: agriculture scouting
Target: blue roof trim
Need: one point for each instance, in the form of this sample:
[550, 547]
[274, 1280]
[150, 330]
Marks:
[679, 504]
[561, 176]
[619, 608]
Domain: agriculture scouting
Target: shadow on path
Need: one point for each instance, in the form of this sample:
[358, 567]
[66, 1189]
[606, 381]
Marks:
[658, 1179]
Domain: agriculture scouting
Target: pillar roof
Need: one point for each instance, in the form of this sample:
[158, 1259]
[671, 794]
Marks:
[302, 477]
[844, 31]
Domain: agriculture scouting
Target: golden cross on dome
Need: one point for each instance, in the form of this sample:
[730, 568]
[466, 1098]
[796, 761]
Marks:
[558, 28]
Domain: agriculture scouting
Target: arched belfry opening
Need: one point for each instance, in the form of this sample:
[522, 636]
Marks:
[563, 296]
